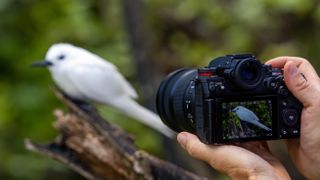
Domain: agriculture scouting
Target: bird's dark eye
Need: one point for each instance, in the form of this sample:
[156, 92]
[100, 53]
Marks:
[61, 57]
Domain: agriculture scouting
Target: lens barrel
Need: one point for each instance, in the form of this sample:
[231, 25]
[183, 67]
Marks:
[171, 99]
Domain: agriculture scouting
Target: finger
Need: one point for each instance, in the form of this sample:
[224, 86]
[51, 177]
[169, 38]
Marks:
[303, 82]
[279, 62]
[302, 64]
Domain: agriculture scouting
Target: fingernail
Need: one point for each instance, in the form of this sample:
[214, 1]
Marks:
[182, 139]
[293, 70]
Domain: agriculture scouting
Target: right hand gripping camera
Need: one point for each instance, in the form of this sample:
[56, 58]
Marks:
[234, 99]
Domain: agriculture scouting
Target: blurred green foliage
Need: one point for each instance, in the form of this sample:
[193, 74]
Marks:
[193, 31]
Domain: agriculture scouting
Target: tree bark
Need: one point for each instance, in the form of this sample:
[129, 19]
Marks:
[97, 149]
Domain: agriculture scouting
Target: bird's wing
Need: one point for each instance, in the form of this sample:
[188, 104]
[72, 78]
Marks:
[253, 116]
[99, 83]
[247, 114]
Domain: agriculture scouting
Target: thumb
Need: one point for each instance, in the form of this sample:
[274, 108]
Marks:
[302, 86]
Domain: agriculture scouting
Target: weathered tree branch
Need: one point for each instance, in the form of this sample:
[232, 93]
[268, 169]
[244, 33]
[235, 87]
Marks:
[97, 149]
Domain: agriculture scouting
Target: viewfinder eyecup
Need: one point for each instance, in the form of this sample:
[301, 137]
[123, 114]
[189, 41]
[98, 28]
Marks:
[248, 74]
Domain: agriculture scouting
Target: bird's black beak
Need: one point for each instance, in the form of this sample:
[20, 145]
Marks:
[42, 64]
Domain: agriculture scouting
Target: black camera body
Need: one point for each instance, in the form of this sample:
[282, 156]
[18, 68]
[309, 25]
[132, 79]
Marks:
[234, 99]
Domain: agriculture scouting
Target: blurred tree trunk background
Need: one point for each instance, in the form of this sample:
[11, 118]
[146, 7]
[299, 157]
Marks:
[146, 40]
[149, 72]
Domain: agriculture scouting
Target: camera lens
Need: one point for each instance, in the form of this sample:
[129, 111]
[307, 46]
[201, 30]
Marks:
[248, 74]
[172, 98]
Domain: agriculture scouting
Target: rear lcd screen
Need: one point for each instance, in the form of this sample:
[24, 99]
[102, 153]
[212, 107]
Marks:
[246, 119]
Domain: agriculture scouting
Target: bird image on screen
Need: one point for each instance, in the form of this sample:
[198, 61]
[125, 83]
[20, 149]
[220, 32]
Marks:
[83, 75]
[248, 116]
[247, 119]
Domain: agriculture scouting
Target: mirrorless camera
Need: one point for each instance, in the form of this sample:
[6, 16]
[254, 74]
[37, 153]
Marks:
[234, 99]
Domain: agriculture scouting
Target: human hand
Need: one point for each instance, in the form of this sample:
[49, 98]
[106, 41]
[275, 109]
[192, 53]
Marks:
[304, 83]
[251, 160]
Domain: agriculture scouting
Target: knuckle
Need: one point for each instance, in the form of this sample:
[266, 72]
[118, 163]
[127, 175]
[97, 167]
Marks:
[306, 63]
[299, 60]
[303, 60]
[302, 84]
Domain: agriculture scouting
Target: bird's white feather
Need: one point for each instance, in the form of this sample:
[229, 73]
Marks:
[98, 83]
[135, 110]
[84, 75]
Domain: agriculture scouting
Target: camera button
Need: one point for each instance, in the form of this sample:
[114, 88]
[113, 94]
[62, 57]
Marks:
[284, 132]
[295, 132]
[212, 86]
[284, 103]
[290, 117]
[280, 79]
[283, 92]
[271, 83]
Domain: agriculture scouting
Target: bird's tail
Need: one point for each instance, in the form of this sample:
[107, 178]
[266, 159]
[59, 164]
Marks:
[257, 123]
[145, 116]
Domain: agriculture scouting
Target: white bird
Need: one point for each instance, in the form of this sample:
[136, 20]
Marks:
[83, 75]
[248, 116]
